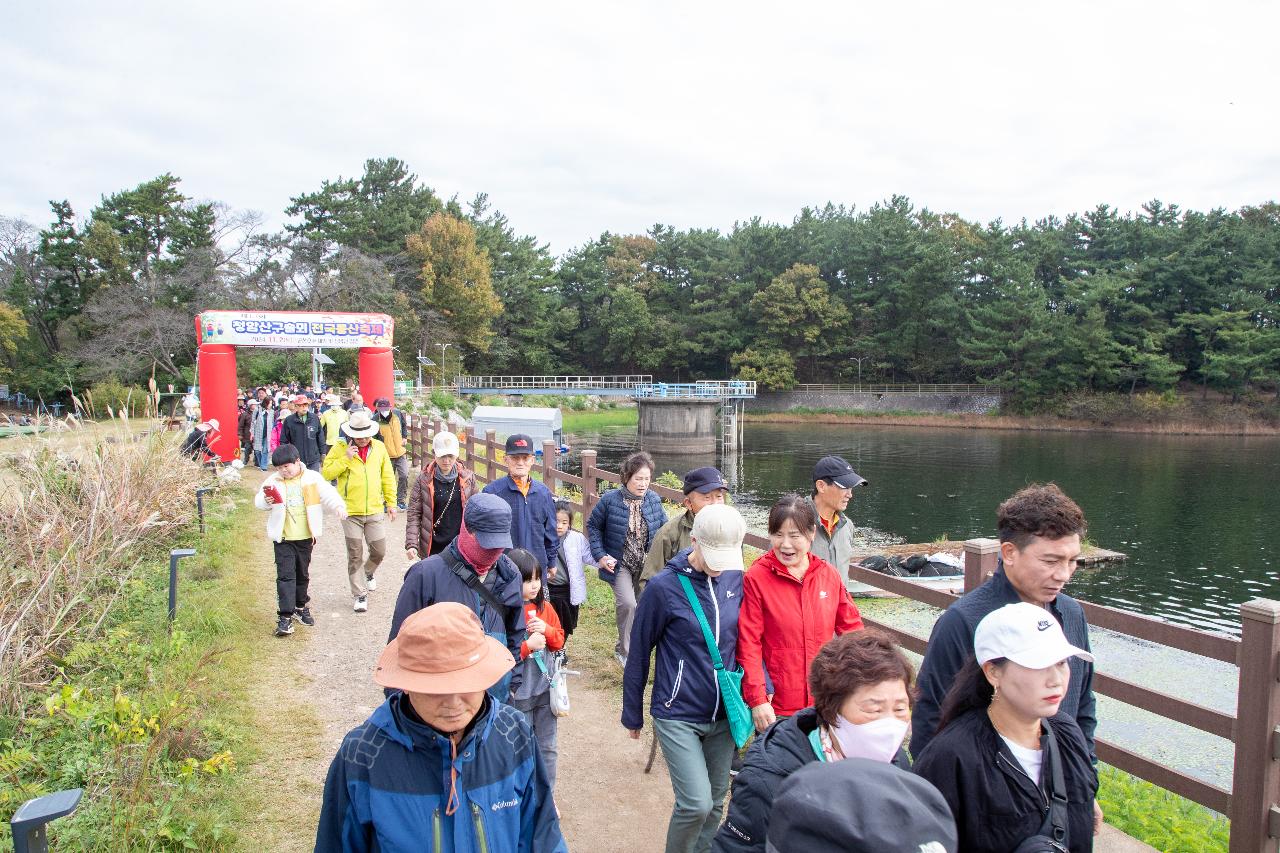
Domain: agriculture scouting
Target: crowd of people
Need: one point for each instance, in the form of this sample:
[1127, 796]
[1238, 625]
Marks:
[785, 723]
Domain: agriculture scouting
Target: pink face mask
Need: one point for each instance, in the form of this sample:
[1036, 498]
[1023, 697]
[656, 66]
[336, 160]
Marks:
[480, 558]
[878, 740]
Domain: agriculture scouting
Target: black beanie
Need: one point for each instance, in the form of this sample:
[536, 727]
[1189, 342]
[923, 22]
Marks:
[284, 454]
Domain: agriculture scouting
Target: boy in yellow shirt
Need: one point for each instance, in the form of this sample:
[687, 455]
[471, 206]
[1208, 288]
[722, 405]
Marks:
[294, 495]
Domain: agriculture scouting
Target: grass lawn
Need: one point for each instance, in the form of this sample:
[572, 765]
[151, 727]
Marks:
[590, 421]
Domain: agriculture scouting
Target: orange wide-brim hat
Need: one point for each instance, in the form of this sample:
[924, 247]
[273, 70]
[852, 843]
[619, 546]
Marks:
[443, 649]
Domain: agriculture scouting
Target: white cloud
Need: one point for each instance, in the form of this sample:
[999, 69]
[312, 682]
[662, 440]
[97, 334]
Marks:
[578, 118]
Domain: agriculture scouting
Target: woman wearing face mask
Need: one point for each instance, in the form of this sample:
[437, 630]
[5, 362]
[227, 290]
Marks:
[862, 693]
[792, 603]
[1003, 754]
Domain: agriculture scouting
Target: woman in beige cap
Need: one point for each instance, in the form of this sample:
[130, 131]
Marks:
[439, 765]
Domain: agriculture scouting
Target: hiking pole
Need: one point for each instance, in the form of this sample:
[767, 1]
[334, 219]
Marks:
[29, 821]
[200, 493]
[174, 556]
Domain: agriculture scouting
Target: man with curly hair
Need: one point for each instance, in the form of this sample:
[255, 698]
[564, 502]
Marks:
[1040, 531]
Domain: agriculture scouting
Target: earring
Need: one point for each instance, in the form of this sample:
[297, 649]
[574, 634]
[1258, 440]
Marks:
[995, 697]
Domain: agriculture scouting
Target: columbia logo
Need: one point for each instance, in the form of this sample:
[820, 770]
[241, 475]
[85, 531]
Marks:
[504, 804]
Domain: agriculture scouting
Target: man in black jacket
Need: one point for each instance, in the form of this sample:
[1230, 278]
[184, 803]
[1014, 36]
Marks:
[303, 431]
[1040, 531]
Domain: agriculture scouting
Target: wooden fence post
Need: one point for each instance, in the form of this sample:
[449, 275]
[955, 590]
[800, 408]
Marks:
[490, 453]
[589, 496]
[549, 466]
[469, 447]
[1255, 782]
[415, 441]
[980, 559]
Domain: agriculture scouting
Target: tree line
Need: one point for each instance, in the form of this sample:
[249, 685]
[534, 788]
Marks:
[1101, 301]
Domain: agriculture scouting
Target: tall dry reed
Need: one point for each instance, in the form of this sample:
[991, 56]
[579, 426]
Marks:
[74, 527]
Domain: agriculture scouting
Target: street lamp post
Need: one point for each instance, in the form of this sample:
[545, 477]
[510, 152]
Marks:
[858, 359]
[443, 348]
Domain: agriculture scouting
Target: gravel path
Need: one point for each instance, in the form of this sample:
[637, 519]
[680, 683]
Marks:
[607, 803]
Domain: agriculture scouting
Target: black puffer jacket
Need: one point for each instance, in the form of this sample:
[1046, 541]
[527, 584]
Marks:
[307, 436]
[996, 805]
[782, 750]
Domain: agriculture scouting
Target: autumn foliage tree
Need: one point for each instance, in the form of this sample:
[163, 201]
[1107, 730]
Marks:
[456, 277]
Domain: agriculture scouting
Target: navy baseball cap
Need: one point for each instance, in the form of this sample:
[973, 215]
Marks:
[703, 480]
[488, 518]
[893, 811]
[838, 471]
[518, 444]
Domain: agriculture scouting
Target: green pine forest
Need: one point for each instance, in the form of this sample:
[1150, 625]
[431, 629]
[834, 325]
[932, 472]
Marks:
[1100, 301]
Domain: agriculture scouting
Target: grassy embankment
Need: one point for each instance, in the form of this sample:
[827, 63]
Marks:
[157, 726]
[1169, 414]
[1149, 813]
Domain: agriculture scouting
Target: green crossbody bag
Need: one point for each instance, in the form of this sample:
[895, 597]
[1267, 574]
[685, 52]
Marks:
[735, 707]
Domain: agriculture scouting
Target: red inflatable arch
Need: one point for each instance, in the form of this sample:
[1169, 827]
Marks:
[220, 332]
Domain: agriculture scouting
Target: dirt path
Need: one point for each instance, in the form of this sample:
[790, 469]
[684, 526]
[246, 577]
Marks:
[607, 803]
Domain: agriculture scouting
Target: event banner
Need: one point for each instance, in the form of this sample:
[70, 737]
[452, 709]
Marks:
[295, 329]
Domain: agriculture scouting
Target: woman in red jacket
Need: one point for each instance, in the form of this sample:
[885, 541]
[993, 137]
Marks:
[792, 603]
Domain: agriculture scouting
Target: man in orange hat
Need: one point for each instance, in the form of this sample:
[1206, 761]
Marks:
[440, 766]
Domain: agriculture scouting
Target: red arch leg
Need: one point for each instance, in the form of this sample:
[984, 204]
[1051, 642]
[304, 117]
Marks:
[218, 397]
[376, 379]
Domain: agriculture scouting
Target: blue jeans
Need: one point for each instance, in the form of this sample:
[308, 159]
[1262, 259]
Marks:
[698, 756]
[263, 458]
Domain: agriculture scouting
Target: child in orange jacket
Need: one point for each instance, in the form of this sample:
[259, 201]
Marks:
[545, 638]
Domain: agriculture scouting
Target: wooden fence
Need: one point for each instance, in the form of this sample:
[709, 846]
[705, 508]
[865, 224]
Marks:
[1254, 728]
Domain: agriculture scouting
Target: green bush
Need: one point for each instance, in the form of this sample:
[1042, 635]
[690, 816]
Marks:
[113, 394]
[1153, 815]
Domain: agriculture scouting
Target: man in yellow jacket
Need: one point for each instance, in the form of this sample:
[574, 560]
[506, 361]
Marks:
[367, 483]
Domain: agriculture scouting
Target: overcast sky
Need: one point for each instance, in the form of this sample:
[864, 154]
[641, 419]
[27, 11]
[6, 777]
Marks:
[579, 118]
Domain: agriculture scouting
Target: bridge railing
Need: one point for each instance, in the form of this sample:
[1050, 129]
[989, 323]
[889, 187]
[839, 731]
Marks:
[908, 388]
[710, 389]
[566, 383]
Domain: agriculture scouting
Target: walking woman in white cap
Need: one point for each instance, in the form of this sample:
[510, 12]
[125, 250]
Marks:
[1016, 773]
[436, 500]
[440, 766]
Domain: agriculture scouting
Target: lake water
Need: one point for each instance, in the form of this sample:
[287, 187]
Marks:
[1199, 517]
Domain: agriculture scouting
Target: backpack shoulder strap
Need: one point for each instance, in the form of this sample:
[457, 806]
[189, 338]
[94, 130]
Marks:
[471, 579]
[1056, 787]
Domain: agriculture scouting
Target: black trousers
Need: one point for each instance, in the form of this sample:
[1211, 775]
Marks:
[293, 574]
[568, 613]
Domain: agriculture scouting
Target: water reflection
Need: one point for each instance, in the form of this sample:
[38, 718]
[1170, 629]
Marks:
[1196, 514]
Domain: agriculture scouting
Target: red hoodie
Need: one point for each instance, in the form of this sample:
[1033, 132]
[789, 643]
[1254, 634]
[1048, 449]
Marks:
[783, 622]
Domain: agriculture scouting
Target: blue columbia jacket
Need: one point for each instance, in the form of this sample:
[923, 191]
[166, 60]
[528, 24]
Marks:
[431, 581]
[388, 788]
[533, 519]
[951, 646]
[607, 525]
[684, 681]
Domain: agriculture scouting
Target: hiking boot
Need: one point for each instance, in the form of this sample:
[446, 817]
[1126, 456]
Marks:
[362, 604]
[370, 583]
[284, 627]
[303, 615]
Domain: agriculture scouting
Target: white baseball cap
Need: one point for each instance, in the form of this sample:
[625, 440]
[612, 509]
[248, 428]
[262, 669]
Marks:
[718, 531]
[445, 444]
[1026, 634]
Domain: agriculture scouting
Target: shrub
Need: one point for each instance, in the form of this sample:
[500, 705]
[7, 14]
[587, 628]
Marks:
[111, 396]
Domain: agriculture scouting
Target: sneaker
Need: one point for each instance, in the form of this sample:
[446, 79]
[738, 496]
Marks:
[735, 767]
[362, 604]
[370, 583]
[284, 627]
[303, 615]
[402, 507]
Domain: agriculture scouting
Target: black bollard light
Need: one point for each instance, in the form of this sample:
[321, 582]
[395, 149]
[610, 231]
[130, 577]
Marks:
[174, 556]
[29, 821]
[200, 493]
